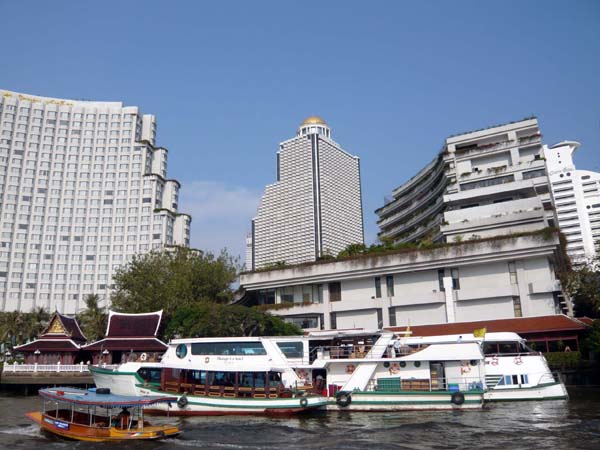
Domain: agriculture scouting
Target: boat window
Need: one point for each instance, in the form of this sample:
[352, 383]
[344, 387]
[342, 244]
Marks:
[198, 376]
[274, 379]
[524, 379]
[291, 349]
[259, 379]
[228, 348]
[181, 351]
[515, 379]
[509, 347]
[151, 375]
[223, 379]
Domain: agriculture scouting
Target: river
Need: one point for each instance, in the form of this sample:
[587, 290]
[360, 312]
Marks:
[573, 424]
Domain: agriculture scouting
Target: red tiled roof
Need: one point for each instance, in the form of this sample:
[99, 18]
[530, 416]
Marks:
[133, 325]
[542, 324]
[48, 345]
[587, 320]
[141, 344]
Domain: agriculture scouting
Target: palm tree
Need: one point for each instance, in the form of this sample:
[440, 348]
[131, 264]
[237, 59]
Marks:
[93, 320]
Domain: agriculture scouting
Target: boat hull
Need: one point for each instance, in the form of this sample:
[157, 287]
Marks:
[80, 432]
[550, 391]
[408, 401]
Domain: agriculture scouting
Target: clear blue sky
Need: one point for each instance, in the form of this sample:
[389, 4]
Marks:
[229, 80]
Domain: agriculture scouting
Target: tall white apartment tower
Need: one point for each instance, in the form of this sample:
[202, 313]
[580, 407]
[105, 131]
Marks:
[314, 208]
[83, 189]
[577, 200]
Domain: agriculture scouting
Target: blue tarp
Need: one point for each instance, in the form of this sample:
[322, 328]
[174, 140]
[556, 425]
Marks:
[92, 398]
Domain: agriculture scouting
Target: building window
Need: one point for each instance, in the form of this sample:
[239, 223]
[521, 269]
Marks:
[307, 293]
[377, 287]
[392, 316]
[441, 279]
[517, 307]
[389, 283]
[512, 269]
[287, 294]
[455, 279]
[335, 291]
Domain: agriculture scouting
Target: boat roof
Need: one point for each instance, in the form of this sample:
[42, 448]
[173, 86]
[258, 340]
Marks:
[91, 397]
[466, 337]
[447, 352]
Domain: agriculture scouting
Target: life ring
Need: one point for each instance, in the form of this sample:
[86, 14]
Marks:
[518, 360]
[350, 368]
[458, 398]
[464, 368]
[394, 368]
[182, 401]
[494, 360]
[304, 402]
[206, 360]
[343, 399]
[143, 357]
[302, 374]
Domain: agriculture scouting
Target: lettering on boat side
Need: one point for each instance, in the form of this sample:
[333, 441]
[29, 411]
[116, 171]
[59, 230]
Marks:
[60, 424]
[229, 358]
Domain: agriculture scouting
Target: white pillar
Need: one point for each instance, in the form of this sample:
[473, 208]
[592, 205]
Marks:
[449, 294]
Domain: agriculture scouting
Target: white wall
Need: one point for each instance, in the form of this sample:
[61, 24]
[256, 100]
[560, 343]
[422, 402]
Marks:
[420, 314]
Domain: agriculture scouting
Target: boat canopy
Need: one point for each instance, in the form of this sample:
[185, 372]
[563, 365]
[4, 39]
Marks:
[447, 352]
[91, 398]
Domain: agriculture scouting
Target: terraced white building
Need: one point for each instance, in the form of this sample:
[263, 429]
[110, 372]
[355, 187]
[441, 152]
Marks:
[482, 183]
[314, 208]
[577, 199]
[83, 189]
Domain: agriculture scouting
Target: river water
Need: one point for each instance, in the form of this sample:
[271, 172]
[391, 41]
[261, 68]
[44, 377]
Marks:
[573, 424]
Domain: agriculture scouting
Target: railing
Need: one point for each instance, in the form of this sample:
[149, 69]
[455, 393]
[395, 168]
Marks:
[360, 351]
[46, 368]
[453, 384]
[485, 148]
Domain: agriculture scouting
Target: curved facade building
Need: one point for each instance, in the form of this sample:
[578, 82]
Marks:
[483, 183]
[84, 189]
[577, 199]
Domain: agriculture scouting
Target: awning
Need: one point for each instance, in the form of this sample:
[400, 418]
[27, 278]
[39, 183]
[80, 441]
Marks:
[90, 397]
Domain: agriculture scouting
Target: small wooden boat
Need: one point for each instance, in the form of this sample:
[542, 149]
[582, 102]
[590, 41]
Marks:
[96, 415]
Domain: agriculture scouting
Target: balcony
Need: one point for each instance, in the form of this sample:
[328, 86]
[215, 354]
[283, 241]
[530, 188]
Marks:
[483, 149]
[414, 206]
[423, 215]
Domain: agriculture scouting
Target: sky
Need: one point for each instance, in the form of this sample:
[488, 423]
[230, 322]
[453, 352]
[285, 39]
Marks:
[229, 80]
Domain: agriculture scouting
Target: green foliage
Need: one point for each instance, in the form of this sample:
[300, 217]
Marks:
[353, 250]
[583, 286]
[170, 280]
[17, 327]
[93, 320]
[592, 340]
[216, 320]
[563, 359]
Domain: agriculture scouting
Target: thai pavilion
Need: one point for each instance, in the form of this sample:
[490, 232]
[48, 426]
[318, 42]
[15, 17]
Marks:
[59, 342]
[129, 337]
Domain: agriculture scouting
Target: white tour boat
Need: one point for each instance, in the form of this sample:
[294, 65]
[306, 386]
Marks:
[217, 376]
[513, 371]
[350, 370]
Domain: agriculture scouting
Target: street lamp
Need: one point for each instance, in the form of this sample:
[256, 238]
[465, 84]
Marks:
[104, 355]
[36, 353]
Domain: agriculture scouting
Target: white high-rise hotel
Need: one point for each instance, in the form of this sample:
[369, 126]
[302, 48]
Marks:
[314, 208]
[83, 189]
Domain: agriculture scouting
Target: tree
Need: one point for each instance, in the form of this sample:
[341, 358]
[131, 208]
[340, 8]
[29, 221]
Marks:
[93, 319]
[353, 250]
[583, 286]
[216, 320]
[174, 279]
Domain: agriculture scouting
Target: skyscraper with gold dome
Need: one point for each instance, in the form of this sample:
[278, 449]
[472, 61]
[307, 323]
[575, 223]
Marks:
[315, 206]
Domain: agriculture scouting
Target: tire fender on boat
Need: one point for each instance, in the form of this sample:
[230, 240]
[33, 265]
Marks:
[343, 399]
[304, 402]
[458, 398]
[182, 401]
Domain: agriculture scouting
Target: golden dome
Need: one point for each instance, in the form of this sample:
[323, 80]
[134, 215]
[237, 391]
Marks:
[313, 120]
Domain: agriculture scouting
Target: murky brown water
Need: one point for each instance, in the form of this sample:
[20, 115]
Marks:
[535, 425]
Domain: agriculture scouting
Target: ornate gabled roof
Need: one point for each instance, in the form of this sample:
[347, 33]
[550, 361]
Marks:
[48, 344]
[125, 325]
[61, 326]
